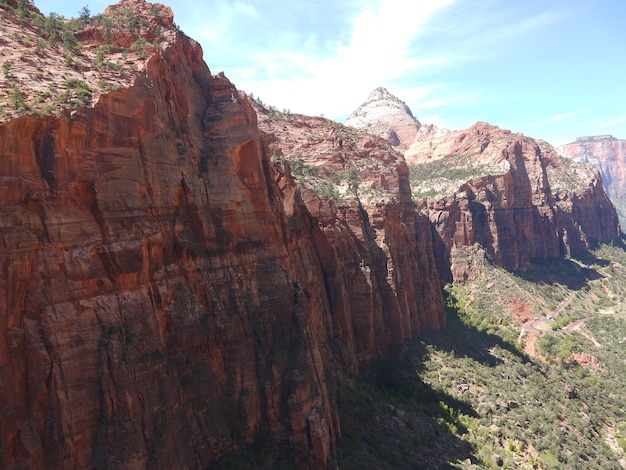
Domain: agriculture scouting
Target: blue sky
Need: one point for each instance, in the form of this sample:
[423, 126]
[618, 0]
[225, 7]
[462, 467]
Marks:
[551, 69]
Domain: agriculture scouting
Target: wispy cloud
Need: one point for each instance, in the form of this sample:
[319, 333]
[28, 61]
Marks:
[246, 9]
[563, 116]
[613, 122]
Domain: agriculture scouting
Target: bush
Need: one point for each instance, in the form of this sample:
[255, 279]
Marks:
[6, 68]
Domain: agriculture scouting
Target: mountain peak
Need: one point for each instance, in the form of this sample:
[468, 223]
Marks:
[382, 94]
[387, 116]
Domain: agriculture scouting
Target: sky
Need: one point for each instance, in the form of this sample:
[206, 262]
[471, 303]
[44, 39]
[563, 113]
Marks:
[551, 69]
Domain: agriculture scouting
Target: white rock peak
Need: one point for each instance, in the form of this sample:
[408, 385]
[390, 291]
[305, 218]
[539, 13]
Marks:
[387, 116]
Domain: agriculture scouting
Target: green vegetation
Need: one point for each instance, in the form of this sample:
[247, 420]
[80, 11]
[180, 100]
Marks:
[454, 167]
[6, 68]
[52, 35]
[443, 176]
[340, 185]
[471, 392]
[16, 100]
[77, 93]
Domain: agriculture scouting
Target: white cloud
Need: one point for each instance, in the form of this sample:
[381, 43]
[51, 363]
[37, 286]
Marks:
[613, 122]
[246, 9]
[344, 73]
[563, 116]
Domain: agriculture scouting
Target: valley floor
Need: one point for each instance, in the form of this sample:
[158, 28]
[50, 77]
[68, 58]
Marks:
[483, 395]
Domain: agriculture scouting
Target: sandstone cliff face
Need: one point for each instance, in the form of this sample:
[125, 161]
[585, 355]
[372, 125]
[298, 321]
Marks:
[159, 306]
[386, 116]
[606, 153]
[492, 193]
[369, 238]
[519, 201]
[166, 294]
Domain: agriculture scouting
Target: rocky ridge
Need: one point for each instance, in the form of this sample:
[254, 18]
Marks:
[52, 65]
[520, 200]
[387, 116]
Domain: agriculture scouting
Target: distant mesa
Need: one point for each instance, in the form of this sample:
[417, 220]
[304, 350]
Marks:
[387, 116]
[608, 155]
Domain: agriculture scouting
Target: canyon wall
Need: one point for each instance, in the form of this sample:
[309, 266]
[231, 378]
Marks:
[606, 153]
[374, 242]
[159, 306]
[184, 270]
[525, 201]
[167, 295]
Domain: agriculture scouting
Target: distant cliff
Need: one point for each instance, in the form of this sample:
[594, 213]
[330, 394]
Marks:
[509, 195]
[493, 194]
[607, 153]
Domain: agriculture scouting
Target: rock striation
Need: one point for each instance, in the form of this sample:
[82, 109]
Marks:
[386, 116]
[167, 292]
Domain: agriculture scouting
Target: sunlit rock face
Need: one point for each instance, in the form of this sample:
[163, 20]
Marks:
[515, 199]
[605, 152]
[386, 116]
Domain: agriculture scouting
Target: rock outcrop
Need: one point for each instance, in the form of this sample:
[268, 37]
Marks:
[386, 116]
[166, 293]
[606, 153]
[516, 199]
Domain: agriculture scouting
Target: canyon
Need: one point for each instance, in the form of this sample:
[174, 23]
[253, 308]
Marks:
[185, 270]
[496, 196]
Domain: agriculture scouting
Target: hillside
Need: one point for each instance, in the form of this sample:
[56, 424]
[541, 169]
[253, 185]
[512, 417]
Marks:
[497, 389]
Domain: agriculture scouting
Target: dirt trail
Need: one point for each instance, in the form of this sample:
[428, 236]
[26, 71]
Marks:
[533, 327]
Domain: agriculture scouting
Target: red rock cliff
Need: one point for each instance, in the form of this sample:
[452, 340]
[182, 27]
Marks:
[165, 292]
[369, 237]
[158, 306]
[519, 201]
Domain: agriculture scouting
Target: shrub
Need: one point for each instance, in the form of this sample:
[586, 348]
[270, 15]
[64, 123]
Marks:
[77, 93]
[6, 68]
